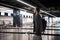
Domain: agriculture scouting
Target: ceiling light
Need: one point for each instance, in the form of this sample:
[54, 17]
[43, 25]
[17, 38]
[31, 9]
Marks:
[47, 13]
[33, 7]
[25, 3]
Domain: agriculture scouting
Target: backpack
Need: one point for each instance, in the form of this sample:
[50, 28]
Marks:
[44, 22]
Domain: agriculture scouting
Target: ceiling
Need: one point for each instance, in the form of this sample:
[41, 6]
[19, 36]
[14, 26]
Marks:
[44, 4]
[53, 4]
[50, 3]
[47, 5]
[12, 4]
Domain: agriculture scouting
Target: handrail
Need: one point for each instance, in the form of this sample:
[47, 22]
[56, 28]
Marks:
[52, 29]
[17, 28]
[26, 28]
[21, 27]
[53, 26]
[30, 33]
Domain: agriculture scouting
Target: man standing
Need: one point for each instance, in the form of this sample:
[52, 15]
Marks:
[37, 20]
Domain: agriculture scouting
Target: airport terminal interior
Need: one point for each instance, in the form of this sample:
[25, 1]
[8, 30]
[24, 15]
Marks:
[16, 19]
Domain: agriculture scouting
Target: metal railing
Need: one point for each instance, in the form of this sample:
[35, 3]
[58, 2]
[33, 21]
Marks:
[49, 35]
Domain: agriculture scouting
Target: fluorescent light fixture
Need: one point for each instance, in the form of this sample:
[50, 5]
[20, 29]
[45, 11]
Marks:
[47, 13]
[33, 7]
[25, 3]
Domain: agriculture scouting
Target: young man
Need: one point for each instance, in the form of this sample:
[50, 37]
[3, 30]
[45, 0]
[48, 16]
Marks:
[37, 20]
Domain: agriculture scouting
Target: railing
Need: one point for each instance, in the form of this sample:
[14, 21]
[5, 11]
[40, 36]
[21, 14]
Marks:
[18, 33]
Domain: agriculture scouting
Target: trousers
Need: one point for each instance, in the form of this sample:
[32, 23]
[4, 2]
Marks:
[35, 37]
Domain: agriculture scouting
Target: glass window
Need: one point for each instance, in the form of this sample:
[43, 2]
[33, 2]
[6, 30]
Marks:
[11, 14]
[29, 16]
[6, 14]
[24, 16]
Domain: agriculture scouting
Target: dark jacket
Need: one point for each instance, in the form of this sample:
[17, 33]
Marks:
[16, 20]
[37, 20]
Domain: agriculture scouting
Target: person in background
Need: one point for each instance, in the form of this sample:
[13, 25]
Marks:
[3, 23]
[37, 20]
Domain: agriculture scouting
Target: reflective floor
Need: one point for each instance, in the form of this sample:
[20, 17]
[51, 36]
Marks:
[26, 36]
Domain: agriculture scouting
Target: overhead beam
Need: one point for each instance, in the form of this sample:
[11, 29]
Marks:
[39, 4]
[47, 13]
[34, 7]
[6, 5]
